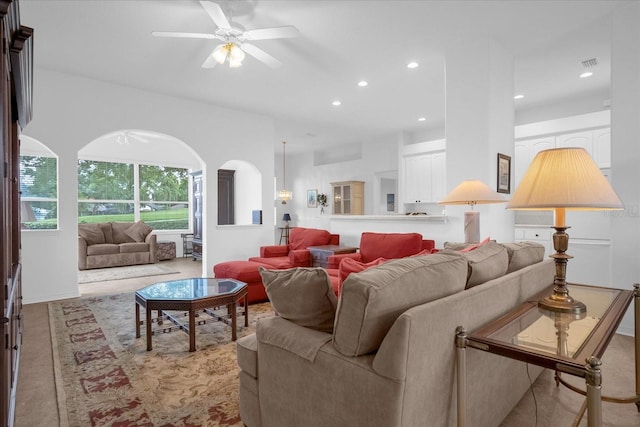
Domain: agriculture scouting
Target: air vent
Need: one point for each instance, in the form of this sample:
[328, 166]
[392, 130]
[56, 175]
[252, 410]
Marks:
[588, 63]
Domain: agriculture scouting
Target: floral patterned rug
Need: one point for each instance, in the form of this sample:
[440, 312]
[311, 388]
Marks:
[105, 376]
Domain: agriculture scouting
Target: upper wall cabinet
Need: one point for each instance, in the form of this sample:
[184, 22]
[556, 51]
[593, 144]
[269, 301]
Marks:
[425, 177]
[348, 197]
[525, 151]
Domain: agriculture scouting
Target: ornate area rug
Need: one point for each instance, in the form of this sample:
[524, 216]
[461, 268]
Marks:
[105, 376]
[128, 272]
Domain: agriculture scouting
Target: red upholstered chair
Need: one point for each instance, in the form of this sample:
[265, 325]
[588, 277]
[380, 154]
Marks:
[295, 254]
[376, 248]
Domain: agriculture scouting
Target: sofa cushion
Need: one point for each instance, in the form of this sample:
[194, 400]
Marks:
[302, 295]
[119, 232]
[92, 233]
[278, 262]
[523, 254]
[138, 231]
[302, 238]
[107, 231]
[103, 249]
[372, 300]
[389, 245]
[487, 262]
[128, 248]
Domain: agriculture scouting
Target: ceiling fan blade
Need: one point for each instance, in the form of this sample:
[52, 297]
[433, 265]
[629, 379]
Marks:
[183, 35]
[138, 138]
[272, 33]
[216, 14]
[261, 55]
[209, 62]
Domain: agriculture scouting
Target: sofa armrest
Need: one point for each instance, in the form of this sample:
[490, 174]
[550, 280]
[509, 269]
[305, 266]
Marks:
[82, 253]
[274, 251]
[152, 240]
[334, 239]
[300, 258]
[333, 261]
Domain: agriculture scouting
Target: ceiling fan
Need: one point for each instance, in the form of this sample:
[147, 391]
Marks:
[235, 39]
[126, 136]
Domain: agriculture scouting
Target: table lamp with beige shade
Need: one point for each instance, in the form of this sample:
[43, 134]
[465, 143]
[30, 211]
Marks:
[472, 192]
[563, 179]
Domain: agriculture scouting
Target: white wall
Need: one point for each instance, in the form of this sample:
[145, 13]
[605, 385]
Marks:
[70, 112]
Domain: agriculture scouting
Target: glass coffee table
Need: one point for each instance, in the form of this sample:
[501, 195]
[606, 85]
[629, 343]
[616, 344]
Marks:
[565, 342]
[191, 295]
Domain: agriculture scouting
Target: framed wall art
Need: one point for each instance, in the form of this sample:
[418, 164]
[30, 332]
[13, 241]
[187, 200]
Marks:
[312, 198]
[504, 174]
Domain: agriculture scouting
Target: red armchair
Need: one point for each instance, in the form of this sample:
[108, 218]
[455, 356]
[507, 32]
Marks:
[295, 254]
[376, 248]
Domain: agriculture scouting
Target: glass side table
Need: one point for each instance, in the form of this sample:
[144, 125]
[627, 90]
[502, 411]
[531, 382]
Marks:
[566, 343]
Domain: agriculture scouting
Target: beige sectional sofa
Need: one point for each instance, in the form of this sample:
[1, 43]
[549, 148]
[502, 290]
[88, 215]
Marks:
[113, 244]
[387, 357]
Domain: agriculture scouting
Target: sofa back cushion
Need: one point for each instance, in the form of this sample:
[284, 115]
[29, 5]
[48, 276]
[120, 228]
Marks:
[119, 230]
[372, 300]
[302, 295]
[523, 254]
[302, 238]
[486, 262]
[92, 233]
[389, 245]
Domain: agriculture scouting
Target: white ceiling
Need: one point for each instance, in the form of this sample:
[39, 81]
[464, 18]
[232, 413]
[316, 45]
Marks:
[340, 43]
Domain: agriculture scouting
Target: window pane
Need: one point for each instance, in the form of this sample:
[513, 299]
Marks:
[164, 184]
[105, 180]
[165, 216]
[39, 192]
[90, 212]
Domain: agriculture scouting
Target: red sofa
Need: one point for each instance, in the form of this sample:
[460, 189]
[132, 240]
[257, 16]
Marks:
[376, 248]
[295, 254]
[278, 257]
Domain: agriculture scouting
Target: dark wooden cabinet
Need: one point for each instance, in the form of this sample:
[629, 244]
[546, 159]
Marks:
[16, 84]
[196, 242]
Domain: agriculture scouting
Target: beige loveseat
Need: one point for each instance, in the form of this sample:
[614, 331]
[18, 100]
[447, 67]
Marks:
[113, 244]
[387, 358]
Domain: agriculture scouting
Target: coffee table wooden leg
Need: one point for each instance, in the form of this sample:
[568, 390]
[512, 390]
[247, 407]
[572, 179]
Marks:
[234, 324]
[148, 328]
[137, 320]
[246, 310]
[192, 330]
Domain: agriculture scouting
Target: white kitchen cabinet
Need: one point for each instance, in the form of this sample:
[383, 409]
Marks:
[425, 177]
[576, 139]
[602, 148]
[525, 151]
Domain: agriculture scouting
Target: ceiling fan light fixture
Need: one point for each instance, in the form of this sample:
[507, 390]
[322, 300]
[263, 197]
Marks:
[220, 52]
[236, 56]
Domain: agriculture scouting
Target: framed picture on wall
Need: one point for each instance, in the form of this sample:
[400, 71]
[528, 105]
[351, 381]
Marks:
[312, 198]
[504, 174]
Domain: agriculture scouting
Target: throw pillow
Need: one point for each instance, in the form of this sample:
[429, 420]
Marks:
[92, 233]
[138, 231]
[487, 262]
[302, 295]
[350, 265]
[119, 232]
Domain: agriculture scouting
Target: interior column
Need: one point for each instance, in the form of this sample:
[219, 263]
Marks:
[625, 148]
[479, 92]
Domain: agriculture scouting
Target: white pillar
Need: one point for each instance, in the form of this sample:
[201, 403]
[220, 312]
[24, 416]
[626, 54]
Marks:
[479, 123]
[625, 148]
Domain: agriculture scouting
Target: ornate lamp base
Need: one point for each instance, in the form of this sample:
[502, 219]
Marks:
[560, 300]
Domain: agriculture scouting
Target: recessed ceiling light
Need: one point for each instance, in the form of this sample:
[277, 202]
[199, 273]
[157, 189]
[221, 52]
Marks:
[586, 74]
[336, 103]
[422, 119]
[519, 96]
[412, 65]
[363, 83]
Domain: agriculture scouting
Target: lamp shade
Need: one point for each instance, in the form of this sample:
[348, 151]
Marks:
[472, 192]
[564, 178]
[286, 217]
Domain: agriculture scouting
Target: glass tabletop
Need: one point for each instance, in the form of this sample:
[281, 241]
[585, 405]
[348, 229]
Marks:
[189, 289]
[546, 334]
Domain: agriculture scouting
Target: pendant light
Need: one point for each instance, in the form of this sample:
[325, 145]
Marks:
[284, 195]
